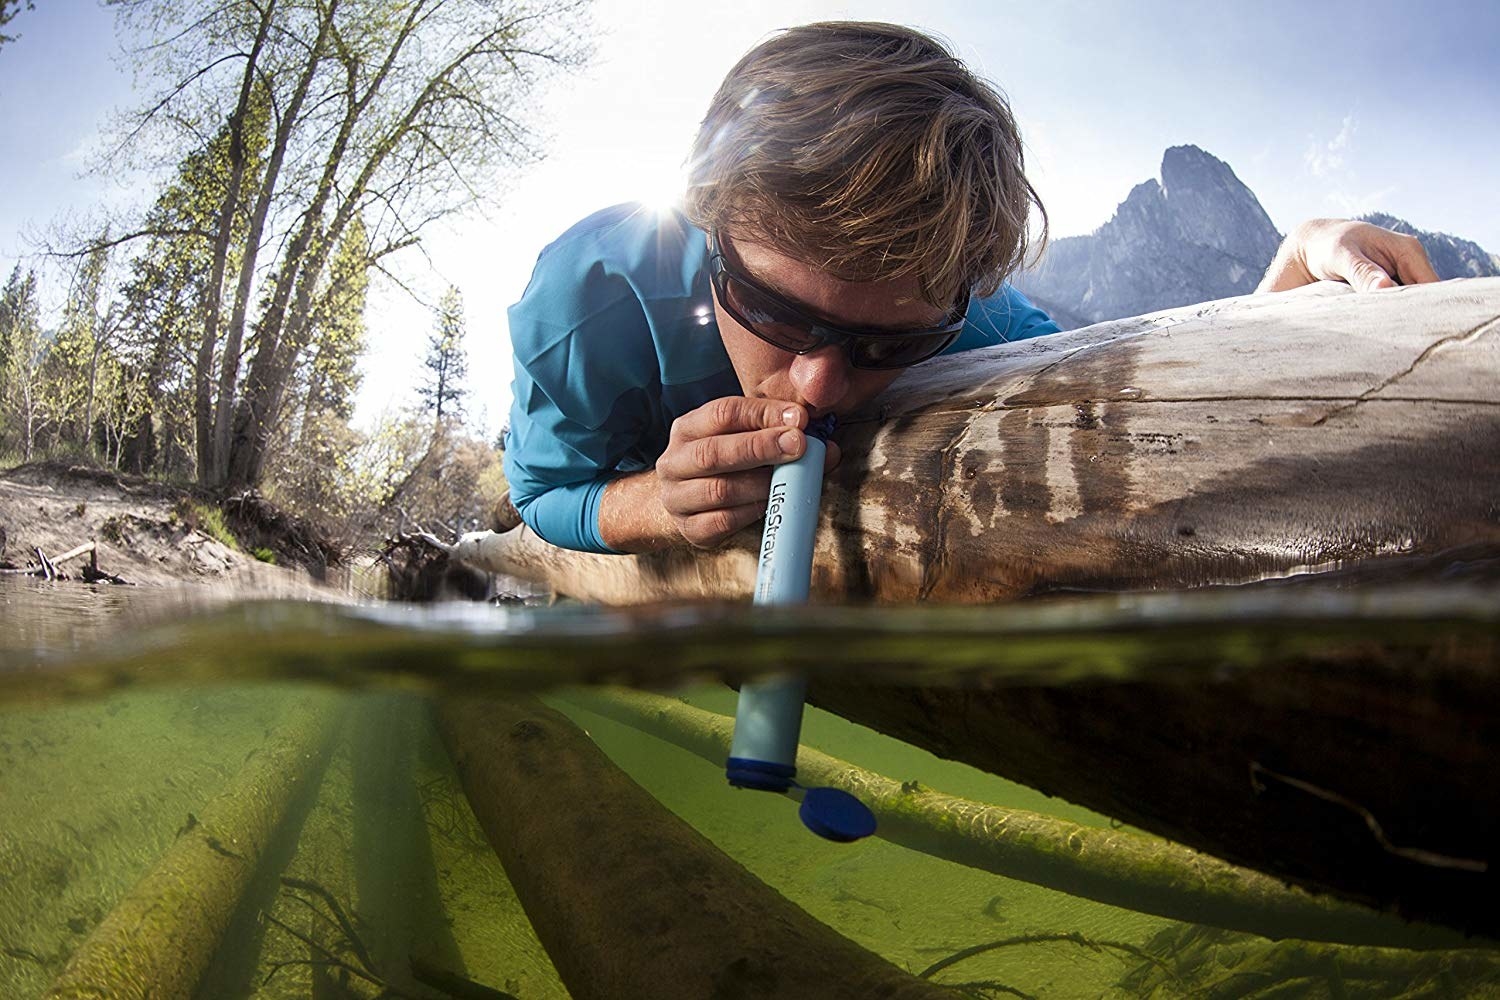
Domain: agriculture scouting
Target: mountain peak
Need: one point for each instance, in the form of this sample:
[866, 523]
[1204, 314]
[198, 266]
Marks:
[1198, 234]
[1190, 164]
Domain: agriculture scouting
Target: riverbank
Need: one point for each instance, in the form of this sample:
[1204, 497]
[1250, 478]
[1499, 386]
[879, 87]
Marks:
[157, 534]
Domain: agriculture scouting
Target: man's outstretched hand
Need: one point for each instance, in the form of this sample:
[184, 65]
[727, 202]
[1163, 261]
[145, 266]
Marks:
[713, 478]
[1364, 255]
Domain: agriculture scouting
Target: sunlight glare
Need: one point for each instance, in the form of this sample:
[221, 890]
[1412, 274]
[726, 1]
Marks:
[663, 192]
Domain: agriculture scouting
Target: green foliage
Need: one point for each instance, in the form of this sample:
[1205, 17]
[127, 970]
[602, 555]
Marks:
[265, 555]
[370, 485]
[338, 325]
[195, 515]
[447, 362]
[28, 413]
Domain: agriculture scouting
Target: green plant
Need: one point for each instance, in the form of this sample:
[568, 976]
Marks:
[210, 521]
[265, 555]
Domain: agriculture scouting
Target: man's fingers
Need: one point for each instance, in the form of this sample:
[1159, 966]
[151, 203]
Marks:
[1371, 276]
[1363, 273]
[718, 492]
[832, 457]
[724, 453]
[1412, 265]
[732, 414]
[712, 527]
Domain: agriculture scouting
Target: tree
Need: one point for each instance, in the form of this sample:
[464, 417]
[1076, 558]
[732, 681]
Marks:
[8, 10]
[311, 460]
[73, 363]
[442, 388]
[398, 113]
[161, 320]
[338, 329]
[26, 406]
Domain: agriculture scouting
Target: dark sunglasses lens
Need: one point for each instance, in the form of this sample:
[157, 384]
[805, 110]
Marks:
[766, 317]
[896, 351]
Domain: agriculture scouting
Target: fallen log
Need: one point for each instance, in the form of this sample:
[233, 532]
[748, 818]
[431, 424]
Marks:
[628, 899]
[1117, 867]
[158, 941]
[1259, 437]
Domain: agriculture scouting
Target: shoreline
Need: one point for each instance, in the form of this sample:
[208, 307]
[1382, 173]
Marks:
[144, 533]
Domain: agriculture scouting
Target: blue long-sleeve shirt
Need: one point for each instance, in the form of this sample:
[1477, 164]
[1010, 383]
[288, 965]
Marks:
[614, 339]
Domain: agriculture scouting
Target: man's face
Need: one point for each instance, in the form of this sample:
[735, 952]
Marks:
[822, 380]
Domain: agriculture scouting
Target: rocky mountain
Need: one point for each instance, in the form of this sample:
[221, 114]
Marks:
[1197, 234]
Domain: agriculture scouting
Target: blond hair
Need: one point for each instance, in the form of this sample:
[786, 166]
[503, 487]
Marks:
[871, 152]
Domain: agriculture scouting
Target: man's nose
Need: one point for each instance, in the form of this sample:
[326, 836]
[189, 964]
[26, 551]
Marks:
[821, 377]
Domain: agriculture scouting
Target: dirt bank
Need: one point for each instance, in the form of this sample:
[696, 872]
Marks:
[147, 533]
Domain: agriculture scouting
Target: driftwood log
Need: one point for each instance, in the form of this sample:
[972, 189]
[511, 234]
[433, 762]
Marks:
[1232, 442]
[159, 940]
[628, 899]
[1315, 434]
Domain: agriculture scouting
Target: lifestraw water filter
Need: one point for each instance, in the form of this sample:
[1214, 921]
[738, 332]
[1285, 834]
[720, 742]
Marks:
[768, 720]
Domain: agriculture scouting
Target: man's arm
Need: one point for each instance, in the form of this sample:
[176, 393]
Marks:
[711, 481]
[1365, 255]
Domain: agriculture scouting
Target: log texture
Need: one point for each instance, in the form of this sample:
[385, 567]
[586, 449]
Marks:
[158, 941]
[1236, 441]
[628, 899]
[1118, 867]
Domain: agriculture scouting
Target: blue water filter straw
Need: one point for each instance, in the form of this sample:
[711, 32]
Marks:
[768, 719]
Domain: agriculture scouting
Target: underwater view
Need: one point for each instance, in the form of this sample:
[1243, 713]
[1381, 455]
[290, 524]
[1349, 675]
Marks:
[299, 799]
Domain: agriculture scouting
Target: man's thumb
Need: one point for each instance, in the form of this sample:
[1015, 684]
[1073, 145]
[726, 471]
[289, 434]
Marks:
[1368, 276]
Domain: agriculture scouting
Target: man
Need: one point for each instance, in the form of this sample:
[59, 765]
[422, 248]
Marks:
[856, 198]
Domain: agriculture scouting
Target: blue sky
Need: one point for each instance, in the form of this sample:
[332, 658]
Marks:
[1322, 110]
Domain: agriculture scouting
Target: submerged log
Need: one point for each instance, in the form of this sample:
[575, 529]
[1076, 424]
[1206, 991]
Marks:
[628, 899]
[158, 941]
[1117, 867]
[1367, 772]
[1258, 437]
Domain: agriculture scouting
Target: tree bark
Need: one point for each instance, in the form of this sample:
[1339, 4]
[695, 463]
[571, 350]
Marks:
[211, 301]
[229, 367]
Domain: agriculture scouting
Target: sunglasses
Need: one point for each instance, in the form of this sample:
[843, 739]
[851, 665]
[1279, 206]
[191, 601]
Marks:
[786, 325]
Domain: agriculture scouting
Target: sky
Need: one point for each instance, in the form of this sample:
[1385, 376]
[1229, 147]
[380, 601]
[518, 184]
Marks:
[1323, 110]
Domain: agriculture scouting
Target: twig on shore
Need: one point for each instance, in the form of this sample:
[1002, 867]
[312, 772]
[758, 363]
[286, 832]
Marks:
[47, 568]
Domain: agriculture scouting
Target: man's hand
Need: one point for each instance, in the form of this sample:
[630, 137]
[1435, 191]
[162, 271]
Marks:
[1365, 255]
[713, 478]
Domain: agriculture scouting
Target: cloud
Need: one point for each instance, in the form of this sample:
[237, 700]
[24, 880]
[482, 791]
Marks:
[1349, 204]
[1325, 159]
[1330, 163]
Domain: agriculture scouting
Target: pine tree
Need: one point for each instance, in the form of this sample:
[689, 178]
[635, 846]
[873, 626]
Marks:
[338, 322]
[442, 389]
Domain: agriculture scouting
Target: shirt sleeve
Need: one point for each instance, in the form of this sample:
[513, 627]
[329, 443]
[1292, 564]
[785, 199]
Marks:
[1002, 318]
[583, 364]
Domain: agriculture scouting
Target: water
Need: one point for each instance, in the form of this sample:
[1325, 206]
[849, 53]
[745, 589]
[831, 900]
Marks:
[139, 727]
